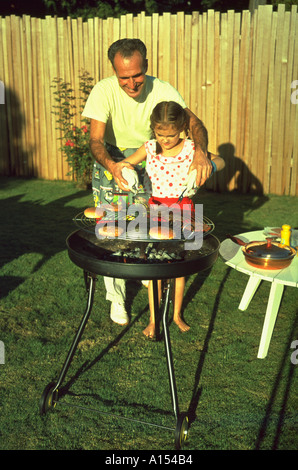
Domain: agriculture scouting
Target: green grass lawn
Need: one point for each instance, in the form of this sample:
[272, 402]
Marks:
[235, 400]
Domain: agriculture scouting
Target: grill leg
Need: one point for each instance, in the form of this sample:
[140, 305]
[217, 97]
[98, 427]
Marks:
[156, 309]
[50, 395]
[91, 289]
[168, 349]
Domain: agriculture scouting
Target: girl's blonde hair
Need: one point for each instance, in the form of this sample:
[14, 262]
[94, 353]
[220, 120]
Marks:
[169, 113]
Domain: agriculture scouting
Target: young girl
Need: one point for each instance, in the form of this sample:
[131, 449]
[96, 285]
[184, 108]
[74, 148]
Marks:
[168, 158]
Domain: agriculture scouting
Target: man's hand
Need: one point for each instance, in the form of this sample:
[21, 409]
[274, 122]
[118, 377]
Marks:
[199, 135]
[116, 171]
[203, 165]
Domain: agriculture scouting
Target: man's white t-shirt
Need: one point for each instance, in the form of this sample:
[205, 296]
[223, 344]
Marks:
[127, 119]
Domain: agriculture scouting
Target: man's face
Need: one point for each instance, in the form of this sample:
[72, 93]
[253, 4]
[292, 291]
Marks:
[130, 72]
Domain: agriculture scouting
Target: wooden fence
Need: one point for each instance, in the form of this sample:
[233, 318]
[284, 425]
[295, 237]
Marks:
[234, 70]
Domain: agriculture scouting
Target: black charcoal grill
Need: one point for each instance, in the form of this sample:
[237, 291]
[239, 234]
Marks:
[131, 259]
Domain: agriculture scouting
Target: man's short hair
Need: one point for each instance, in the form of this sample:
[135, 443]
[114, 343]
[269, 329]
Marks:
[127, 47]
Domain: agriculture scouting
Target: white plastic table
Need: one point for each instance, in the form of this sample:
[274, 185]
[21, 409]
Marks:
[278, 278]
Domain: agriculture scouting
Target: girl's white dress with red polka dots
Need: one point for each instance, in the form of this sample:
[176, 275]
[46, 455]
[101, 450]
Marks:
[168, 174]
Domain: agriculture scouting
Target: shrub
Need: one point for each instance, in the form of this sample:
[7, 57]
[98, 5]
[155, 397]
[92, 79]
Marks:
[75, 138]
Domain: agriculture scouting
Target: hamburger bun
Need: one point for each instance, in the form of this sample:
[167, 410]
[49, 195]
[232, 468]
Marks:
[162, 233]
[109, 231]
[90, 212]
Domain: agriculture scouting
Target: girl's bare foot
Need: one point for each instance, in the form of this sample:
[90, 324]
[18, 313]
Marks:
[149, 330]
[181, 324]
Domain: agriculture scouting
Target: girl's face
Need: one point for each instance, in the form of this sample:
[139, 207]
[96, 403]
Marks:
[167, 136]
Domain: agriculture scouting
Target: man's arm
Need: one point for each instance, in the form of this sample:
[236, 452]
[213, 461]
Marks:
[200, 162]
[101, 155]
[98, 149]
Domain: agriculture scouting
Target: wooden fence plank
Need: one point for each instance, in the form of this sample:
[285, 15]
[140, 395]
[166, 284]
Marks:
[174, 51]
[4, 161]
[167, 65]
[180, 53]
[247, 130]
[216, 82]
[97, 60]
[4, 115]
[209, 80]
[242, 84]
[285, 112]
[199, 72]
[10, 95]
[121, 33]
[107, 33]
[224, 100]
[88, 46]
[28, 95]
[204, 52]
[160, 49]
[234, 167]
[194, 79]
[52, 72]
[294, 166]
[142, 26]
[155, 31]
[41, 129]
[284, 94]
[293, 122]
[289, 120]
[149, 39]
[259, 157]
[17, 99]
[129, 26]
[276, 162]
[187, 58]
[269, 102]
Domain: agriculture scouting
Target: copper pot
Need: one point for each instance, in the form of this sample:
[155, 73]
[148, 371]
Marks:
[266, 254]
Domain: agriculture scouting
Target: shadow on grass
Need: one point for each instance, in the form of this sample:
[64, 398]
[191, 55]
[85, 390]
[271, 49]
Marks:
[197, 389]
[33, 227]
[283, 376]
[88, 365]
[65, 391]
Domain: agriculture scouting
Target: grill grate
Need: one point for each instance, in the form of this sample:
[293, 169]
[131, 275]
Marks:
[88, 224]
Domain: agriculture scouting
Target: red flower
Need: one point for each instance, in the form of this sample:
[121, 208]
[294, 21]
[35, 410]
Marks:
[69, 143]
[84, 129]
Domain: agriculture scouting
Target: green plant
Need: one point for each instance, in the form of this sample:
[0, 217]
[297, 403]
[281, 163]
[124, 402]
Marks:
[75, 138]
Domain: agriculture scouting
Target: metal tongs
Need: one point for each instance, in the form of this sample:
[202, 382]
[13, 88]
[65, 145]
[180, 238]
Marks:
[181, 196]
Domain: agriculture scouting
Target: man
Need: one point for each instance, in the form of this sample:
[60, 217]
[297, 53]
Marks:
[119, 108]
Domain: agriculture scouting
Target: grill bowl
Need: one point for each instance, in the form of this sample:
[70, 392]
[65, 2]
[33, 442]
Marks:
[94, 255]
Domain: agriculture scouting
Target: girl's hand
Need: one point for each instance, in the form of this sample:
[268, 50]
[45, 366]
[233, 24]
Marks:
[116, 171]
